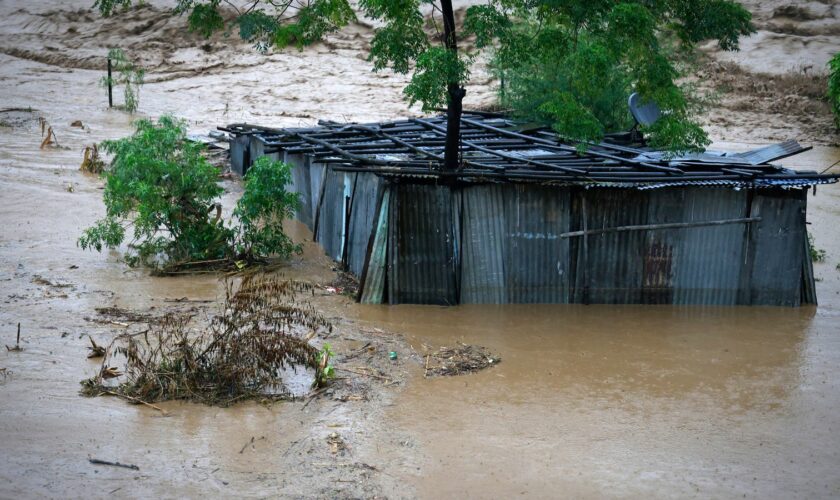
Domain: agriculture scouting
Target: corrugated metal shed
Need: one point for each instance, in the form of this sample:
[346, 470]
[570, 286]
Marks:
[527, 220]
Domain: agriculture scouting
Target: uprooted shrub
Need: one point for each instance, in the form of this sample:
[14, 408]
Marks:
[245, 351]
[161, 187]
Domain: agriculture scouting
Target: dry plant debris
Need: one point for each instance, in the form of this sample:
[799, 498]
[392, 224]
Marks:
[113, 313]
[241, 354]
[49, 138]
[92, 163]
[464, 358]
[96, 351]
[335, 443]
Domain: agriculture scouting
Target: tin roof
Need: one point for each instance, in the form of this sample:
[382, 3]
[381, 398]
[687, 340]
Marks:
[496, 148]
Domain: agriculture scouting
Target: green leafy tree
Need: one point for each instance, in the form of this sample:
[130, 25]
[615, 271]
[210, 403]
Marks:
[573, 64]
[161, 188]
[834, 87]
[597, 45]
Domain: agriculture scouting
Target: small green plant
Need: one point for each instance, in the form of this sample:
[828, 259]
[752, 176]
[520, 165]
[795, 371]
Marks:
[161, 187]
[128, 75]
[325, 371]
[834, 87]
[817, 254]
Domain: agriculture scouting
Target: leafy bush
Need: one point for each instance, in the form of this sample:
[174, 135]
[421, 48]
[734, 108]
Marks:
[161, 187]
[262, 209]
[128, 75]
[834, 87]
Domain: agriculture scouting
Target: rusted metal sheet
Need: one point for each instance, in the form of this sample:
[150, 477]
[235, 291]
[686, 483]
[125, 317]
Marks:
[362, 218]
[483, 235]
[424, 247]
[537, 261]
[373, 287]
[660, 252]
[776, 274]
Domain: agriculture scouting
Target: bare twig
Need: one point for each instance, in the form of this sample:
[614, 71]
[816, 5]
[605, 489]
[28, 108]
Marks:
[96, 461]
[135, 400]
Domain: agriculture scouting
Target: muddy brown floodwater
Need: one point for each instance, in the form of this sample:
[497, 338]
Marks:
[588, 401]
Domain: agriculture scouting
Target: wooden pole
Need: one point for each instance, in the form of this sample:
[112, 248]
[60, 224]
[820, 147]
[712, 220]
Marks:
[650, 227]
[585, 234]
[110, 86]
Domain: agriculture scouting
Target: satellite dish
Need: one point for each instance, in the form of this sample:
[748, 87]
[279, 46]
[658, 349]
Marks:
[645, 113]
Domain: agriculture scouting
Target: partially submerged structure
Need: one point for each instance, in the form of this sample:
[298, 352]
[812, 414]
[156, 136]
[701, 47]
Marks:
[531, 219]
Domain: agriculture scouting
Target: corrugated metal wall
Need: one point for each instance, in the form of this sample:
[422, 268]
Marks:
[709, 259]
[775, 277]
[331, 214]
[537, 260]
[240, 153]
[424, 245]
[362, 218]
[483, 235]
[610, 270]
[301, 184]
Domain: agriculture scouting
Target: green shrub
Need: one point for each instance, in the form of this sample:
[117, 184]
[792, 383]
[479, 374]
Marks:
[262, 209]
[834, 87]
[162, 189]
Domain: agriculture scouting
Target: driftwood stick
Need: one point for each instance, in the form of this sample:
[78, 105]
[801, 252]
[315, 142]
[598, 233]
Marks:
[380, 377]
[140, 401]
[649, 227]
[96, 461]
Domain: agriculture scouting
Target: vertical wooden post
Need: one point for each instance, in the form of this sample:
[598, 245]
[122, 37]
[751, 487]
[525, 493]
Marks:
[110, 86]
[585, 251]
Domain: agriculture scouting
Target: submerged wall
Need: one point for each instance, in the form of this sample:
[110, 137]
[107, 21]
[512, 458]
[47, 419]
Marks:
[411, 241]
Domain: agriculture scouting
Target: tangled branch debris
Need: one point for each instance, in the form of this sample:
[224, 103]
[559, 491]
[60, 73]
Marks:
[450, 361]
[241, 354]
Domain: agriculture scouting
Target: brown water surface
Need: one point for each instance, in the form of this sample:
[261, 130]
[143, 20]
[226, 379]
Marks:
[626, 401]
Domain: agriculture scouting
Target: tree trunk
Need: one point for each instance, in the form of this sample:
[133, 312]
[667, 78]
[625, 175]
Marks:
[455, 91]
